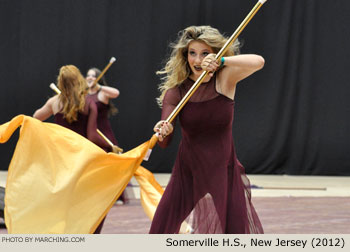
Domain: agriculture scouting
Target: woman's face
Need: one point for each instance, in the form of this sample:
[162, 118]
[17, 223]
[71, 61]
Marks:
[90, 77]
[197, 51]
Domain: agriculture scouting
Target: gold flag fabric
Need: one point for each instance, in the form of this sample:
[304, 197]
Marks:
[60, 182]
[150, 191]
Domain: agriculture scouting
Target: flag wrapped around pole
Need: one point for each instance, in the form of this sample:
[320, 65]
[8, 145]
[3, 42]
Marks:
[59, 181]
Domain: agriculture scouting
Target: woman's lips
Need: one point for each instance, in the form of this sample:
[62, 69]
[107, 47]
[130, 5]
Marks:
[197, 68]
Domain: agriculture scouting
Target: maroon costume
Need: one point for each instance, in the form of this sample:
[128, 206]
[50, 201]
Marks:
[208, 187]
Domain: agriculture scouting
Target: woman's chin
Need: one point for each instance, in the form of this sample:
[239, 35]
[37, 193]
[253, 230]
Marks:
[196, 73]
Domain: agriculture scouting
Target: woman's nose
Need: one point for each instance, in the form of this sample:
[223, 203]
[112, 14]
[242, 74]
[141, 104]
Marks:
[198, 59]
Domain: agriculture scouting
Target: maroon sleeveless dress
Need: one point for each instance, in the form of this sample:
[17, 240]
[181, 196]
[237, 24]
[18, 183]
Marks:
[208, 187]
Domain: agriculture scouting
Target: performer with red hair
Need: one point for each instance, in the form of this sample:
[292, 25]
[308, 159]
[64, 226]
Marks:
[74, 110]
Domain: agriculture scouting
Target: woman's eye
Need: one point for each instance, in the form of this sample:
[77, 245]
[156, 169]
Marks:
[205, 53]
[192, 53]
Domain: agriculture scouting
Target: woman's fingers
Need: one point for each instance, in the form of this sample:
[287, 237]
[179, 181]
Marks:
[168, 127]
[163, 129]
[209, 63]
[158, 126]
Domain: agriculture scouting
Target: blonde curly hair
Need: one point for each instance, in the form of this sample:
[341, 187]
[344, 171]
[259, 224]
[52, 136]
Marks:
[176, 70]
[74, 89]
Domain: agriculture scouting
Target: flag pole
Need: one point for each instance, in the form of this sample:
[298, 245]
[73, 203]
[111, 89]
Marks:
[111, 61]
[120, 150]
[55, 88]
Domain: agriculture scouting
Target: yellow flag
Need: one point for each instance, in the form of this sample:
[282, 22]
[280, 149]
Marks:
[60, 182]
[150, 191]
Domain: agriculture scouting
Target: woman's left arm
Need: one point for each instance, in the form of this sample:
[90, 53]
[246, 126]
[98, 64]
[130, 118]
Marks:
[233, 69]
[107, 93]
[237, 68]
